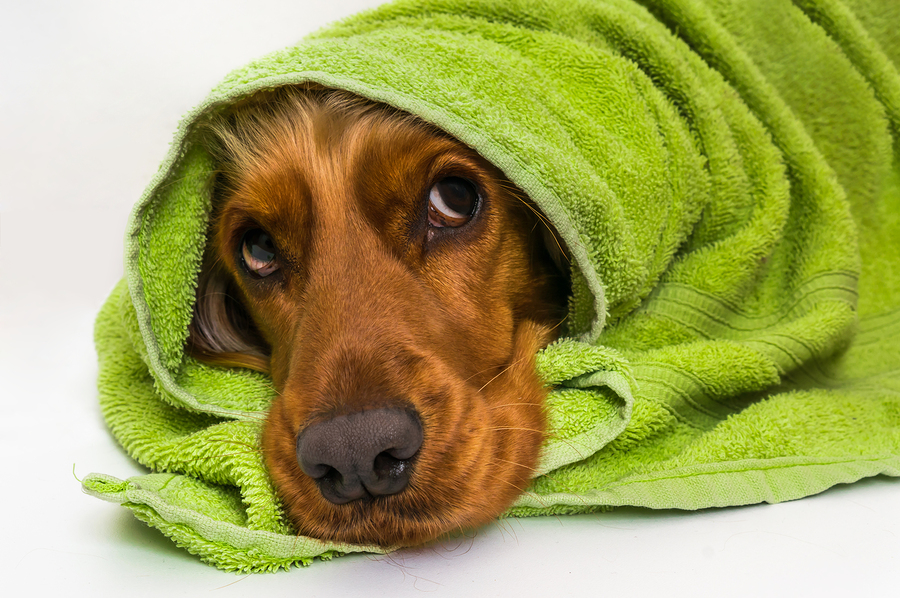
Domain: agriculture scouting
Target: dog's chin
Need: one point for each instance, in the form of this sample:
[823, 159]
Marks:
[479, 452]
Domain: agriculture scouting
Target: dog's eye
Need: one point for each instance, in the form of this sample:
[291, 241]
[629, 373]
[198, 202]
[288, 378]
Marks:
[452, 202]
[258, 253]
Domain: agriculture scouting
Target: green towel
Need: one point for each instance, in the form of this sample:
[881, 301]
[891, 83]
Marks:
[725, 177]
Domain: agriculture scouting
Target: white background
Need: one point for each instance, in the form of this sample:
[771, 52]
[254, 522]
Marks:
[90, 93]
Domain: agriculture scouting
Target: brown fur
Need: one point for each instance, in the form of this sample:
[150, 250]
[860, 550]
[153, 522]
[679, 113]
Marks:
[374, 307]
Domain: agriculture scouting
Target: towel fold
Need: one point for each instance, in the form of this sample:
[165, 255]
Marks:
[724, 176]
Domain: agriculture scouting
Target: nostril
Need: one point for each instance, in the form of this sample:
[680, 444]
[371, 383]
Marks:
[337, 488]
[391, 474]
[363, 452]
[388, 465]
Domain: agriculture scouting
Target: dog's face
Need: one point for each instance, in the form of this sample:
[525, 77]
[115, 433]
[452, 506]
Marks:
[396, 287]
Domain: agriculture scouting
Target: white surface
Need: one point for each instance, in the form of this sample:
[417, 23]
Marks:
[90, 93]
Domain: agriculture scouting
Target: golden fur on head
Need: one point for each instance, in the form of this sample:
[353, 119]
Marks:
[377, 299]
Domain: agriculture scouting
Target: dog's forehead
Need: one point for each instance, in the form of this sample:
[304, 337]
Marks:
[337, 165]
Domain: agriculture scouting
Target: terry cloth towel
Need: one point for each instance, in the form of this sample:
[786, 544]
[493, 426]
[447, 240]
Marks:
[725, 177]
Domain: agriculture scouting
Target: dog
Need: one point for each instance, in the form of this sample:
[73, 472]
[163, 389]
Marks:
[396, 287]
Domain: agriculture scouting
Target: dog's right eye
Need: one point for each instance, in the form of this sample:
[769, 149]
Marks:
[258, 253]
[452, 202]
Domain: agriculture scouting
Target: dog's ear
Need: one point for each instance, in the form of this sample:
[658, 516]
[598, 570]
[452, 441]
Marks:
[222, 332]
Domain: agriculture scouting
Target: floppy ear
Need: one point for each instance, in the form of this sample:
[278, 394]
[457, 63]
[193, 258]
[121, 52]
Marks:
[222, 332]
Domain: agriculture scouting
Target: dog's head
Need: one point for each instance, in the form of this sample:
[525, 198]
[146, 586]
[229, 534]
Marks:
[396, 286]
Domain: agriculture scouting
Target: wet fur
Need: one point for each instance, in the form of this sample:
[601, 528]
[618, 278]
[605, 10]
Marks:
[373, 307]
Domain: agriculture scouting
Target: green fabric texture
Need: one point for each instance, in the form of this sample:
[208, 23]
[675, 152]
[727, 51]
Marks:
[725, 177]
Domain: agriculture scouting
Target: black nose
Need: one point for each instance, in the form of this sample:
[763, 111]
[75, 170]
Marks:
[363, 452]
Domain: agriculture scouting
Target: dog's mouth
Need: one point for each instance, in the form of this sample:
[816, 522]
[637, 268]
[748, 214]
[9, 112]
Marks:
[399, 473]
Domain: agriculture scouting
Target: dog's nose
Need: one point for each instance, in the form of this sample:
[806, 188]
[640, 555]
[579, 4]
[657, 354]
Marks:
[362, 452]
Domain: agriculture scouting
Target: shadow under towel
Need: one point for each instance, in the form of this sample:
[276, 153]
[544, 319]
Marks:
[725, 176]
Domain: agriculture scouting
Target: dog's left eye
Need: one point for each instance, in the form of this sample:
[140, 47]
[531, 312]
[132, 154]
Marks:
[452, 202]
[258, 253]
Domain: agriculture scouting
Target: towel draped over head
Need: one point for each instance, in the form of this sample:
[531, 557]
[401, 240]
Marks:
[724, 177]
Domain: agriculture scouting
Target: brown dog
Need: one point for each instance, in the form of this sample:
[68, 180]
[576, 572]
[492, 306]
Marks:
[396, 286]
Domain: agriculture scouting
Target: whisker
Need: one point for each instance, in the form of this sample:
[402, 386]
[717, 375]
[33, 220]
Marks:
[505, 369]
[500, 373]
[560, 323]
[504, 405]
[549, 475]
[546, 222]
[493, 428]
[503, 524]
[496, 459]
[537, 497]
[571, 445]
